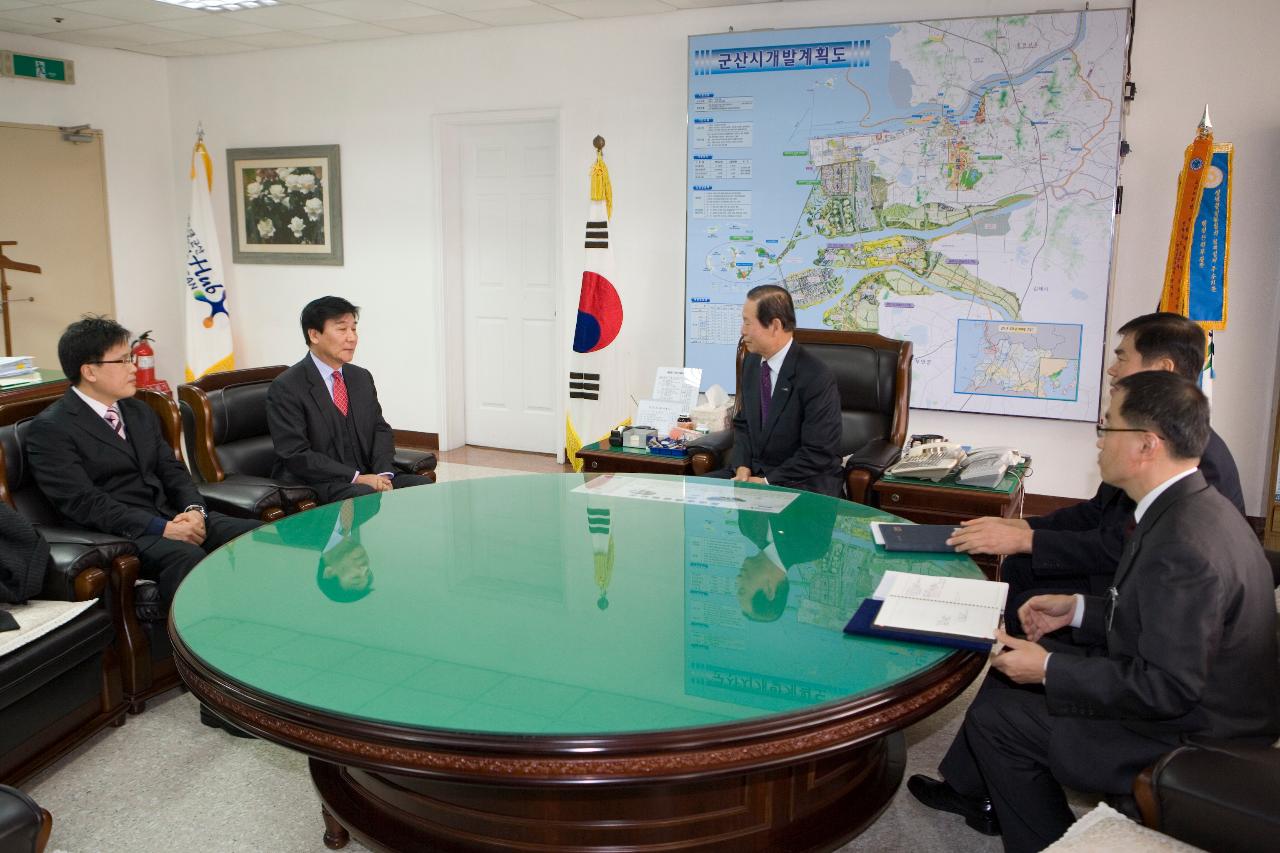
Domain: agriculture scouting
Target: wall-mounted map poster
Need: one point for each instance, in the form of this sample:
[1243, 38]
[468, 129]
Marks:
[948, 182]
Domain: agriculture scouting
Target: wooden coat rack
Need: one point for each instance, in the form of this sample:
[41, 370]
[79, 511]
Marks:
[5, 265]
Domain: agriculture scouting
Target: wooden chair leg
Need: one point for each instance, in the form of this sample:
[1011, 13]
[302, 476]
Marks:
[46, 827]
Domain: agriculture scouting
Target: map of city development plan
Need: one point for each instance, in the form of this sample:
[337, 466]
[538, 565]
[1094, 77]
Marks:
[948, 182]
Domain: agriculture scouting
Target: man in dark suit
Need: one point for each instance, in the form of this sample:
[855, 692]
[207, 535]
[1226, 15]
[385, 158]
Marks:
[100, 458]
[787, 430]
[323, 413]
[1077, 548]
[1183, 645]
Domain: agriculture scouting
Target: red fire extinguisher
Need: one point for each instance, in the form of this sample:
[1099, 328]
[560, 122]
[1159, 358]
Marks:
[145, 359]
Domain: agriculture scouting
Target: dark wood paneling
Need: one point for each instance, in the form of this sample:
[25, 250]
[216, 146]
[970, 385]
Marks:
[416, 440]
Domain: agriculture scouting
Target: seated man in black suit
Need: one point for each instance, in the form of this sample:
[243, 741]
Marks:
[1184, 644]
[323, 413]
[100, 458]
[787, 430]
[1077, 548]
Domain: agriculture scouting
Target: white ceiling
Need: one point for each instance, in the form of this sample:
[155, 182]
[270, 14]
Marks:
[146, 26]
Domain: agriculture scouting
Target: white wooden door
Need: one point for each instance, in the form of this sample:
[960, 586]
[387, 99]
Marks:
[509, 233]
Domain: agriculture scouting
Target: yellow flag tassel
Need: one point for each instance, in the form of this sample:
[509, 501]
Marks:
[601, 189]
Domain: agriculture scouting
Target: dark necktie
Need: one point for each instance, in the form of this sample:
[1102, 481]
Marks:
[112, 417]
[339, 392]
[766, 391]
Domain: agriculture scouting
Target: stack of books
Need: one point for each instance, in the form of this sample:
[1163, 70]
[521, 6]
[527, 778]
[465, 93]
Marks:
[16, 370]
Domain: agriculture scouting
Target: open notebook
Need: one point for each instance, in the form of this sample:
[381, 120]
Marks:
[958, 612]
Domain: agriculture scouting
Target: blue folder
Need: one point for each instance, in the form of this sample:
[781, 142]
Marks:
[863, 623]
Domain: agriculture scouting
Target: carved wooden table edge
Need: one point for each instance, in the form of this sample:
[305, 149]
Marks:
[639, 756]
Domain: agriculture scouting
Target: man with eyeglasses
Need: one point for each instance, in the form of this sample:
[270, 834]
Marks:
[101, 459]
[1077, 548]
[1183, 645]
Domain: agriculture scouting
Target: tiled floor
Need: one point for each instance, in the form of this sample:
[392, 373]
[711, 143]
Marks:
[512, 460]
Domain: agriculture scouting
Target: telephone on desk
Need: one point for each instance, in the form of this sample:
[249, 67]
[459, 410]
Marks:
[934, 460]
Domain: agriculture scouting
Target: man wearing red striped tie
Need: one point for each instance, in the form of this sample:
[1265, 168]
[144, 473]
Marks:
[323, 413]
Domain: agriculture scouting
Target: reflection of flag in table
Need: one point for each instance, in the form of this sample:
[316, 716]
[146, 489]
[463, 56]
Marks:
[596, 397]
[1195, 276]
[208, 324]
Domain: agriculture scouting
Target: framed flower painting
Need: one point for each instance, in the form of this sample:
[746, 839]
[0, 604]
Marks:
[286, 205]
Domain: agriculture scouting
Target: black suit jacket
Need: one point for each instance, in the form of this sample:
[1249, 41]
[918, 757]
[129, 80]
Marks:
[799, 446]
[1191, 648]
[1088, 538]
[306, 427]
[96, 480]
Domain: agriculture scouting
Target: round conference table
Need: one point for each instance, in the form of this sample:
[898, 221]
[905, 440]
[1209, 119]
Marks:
[571, 662]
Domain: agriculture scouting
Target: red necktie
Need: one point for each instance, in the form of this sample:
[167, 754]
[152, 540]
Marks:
[339, 392]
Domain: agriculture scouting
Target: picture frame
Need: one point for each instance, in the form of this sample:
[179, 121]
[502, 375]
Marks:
[286, 205]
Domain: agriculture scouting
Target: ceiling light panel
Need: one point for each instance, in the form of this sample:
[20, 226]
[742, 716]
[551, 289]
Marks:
[220, 5]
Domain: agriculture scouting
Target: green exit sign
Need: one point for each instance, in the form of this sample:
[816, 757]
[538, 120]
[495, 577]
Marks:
[37, 67]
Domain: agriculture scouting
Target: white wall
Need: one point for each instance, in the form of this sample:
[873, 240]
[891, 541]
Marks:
[126, 95]
[625, 79]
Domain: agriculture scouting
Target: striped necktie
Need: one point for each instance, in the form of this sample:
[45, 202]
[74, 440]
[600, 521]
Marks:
[112, 417]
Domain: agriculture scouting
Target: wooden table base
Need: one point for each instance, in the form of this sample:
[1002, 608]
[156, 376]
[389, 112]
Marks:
[806, 806]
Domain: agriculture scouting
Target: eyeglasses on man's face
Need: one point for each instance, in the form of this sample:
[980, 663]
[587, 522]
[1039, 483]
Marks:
[1102, 430]
[128, 359]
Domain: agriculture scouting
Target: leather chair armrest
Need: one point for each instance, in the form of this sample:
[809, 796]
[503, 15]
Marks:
[79, 560]
[874, 456]
[1217, 796]
[421, 462]
[867, 465]
[710, 452]
[23, 824]
[244, 497]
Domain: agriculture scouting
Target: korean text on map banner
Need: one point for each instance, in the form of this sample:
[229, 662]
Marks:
[791, 57]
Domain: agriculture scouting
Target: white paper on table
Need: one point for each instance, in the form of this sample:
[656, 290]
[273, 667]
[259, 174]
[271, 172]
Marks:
[659, 414]
[678, 385]
[684, 492]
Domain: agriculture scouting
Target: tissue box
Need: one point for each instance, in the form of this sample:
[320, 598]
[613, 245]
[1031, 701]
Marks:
[709, 418]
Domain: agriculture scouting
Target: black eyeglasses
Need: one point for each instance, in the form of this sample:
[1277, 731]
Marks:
[1103, 430]
[129, 359]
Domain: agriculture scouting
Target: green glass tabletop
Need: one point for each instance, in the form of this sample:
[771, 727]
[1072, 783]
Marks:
[549, 604]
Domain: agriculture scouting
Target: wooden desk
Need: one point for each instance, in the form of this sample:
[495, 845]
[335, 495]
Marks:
[938, 503]
[601, 458]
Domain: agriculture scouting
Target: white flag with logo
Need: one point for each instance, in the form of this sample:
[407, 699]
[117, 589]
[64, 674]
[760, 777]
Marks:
[208, 324]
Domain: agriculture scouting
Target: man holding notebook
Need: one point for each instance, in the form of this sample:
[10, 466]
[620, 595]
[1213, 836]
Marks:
[1183, 644]
[1077, 548]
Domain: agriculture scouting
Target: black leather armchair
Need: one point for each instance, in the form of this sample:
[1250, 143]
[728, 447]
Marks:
[79, 556]
[64, 686]
[873, 375]
[24, 826]
[240, 495]
[224, 419]
[1216, 795]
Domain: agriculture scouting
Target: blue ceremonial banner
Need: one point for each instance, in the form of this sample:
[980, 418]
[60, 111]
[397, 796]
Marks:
[1211, 243]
